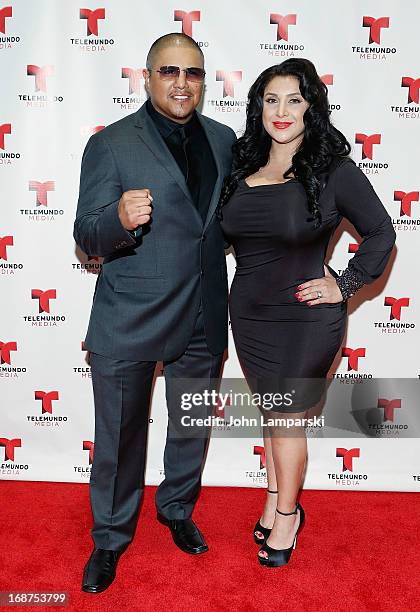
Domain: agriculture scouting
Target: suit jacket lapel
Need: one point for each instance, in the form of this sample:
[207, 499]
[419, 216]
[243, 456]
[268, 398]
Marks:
[149, 134]
[215, 148]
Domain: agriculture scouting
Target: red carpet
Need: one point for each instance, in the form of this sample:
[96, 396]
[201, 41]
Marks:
[358, 551]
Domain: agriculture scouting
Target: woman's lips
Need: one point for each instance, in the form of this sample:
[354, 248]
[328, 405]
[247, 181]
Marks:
[282, 125]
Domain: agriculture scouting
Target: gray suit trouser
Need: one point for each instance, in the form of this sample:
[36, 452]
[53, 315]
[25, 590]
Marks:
[122, 397]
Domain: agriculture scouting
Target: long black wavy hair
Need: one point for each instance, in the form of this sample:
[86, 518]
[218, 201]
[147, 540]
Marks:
[321, 144]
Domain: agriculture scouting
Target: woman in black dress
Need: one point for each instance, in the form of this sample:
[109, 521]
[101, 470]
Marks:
[292, 183]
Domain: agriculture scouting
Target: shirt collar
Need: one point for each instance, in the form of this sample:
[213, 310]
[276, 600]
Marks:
[166, 126]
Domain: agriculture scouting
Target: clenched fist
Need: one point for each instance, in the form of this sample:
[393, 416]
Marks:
[135, 208]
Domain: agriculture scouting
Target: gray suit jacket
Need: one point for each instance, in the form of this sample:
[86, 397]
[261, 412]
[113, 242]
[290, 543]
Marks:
[147, 296]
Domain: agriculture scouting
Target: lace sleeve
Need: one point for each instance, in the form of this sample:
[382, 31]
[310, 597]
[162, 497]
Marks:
[349, 282]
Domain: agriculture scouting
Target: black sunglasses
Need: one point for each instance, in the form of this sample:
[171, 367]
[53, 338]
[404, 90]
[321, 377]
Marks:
[173, 72]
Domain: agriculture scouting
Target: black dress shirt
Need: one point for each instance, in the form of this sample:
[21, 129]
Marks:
[191, 150]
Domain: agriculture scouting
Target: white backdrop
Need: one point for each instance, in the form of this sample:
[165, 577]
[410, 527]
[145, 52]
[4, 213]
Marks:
[64, 76]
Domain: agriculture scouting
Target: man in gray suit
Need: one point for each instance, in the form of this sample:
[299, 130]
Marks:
[149, 189]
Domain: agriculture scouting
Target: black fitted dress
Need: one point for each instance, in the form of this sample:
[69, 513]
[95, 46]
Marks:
[277, 248]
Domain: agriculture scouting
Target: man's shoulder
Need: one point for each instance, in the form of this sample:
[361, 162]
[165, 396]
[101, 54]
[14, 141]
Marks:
[220, 128]
[117, 129]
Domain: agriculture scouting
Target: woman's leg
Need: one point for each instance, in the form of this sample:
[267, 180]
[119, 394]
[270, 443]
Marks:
[289, 453]
[267, 516]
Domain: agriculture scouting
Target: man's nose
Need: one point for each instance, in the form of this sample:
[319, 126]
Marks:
[181, 80]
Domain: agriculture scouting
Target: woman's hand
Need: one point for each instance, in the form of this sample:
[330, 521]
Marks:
[327, 286]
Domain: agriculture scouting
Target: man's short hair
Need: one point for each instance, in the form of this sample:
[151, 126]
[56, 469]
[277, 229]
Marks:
[170, 40]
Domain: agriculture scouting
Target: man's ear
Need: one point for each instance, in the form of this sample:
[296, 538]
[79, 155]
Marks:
[146, 76]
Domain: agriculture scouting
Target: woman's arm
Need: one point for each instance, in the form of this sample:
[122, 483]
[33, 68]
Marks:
[357, 201]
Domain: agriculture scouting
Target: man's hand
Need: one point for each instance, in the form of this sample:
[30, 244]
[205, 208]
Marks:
[135, 208]
[327, 286]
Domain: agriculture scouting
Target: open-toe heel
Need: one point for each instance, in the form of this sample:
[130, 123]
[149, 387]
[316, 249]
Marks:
[261, 533]
[275, 557]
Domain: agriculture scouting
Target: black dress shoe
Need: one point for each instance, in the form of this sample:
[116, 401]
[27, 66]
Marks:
[100, 570]
[186, 535]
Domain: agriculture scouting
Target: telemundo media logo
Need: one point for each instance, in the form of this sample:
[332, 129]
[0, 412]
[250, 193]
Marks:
[94, 18]
[287, 43]
[348, 476]
[9, 466]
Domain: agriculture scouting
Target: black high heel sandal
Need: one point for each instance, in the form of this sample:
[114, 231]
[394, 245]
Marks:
[265, 531]
[277, 557]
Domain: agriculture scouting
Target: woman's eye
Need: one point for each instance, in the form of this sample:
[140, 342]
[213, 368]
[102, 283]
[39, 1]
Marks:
[270, 100]
[295, 100]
